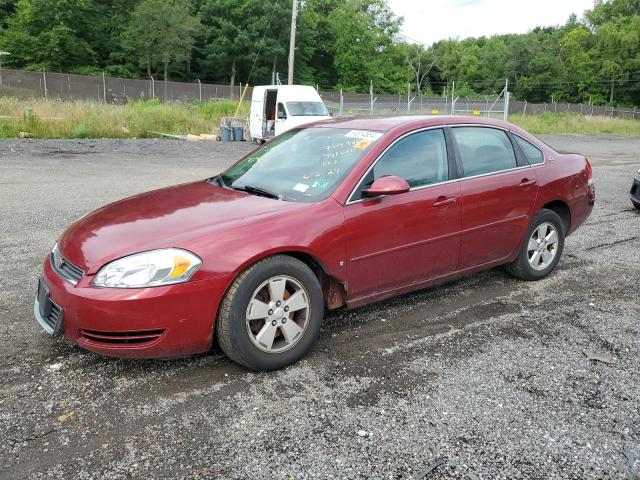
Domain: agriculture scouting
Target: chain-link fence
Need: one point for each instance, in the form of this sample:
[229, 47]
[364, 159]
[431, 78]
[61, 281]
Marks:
[107, 89]
[114, 90]
[341, 104]
[526, 108]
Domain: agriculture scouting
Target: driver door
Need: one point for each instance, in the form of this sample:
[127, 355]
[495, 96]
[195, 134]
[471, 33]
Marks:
[400, 240]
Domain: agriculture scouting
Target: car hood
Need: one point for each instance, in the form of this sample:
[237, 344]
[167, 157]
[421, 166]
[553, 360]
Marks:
[170, 217]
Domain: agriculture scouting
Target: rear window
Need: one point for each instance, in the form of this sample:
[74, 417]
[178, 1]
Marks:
[533, 154]
[307, 109]
[484, 150]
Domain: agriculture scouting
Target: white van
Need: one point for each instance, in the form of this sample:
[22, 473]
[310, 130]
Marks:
[278, 108]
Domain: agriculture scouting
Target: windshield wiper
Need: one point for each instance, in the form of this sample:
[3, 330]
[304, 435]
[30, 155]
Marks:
[258, 191]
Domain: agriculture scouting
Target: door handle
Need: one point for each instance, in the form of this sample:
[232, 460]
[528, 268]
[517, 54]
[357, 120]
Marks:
[527, 183]
[444, 201]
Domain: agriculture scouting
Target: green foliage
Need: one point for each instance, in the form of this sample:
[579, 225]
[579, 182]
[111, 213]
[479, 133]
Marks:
[233, 33]
[160, 32]
[340, 44]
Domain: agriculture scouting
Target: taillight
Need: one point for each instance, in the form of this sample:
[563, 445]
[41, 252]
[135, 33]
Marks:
[591, 189]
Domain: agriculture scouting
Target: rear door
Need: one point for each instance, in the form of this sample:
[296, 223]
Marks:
[498, 192]
[403, 239]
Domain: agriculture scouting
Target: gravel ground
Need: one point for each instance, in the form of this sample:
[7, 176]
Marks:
[487, 373]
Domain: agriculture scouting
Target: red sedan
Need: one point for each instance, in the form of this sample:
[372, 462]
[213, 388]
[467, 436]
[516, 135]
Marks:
[342, 212]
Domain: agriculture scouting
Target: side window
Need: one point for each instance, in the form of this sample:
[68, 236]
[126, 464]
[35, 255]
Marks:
[534, 154]
[484, 150]
[420, 158]
[282, 114]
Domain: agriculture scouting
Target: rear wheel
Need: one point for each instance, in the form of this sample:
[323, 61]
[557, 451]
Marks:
[541, 249]
[271, 315]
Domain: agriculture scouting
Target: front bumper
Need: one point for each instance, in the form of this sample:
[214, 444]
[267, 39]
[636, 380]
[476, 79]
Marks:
[158, 322]
[635, 192]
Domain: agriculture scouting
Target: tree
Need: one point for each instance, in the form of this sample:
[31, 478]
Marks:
[362, 30]
[421, 63]
[160, 32]
[7, 7]
[235, 35]
[52, 34]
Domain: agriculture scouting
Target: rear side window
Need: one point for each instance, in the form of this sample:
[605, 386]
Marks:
[533, 154]
[484, 150]
[420, 158]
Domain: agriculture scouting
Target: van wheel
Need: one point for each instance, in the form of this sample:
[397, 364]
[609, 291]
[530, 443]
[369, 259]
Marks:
[271, 315]
[542, 247]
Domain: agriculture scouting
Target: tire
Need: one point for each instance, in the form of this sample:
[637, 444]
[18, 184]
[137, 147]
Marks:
[523, 266]
[253, 295]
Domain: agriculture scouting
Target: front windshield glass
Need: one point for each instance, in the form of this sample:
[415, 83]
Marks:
[307, 109]
[303, 165]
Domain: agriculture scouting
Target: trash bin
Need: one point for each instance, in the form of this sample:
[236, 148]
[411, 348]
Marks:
[226, 133]
[238, 134]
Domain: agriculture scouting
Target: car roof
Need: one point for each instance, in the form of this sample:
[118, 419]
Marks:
[387, 123]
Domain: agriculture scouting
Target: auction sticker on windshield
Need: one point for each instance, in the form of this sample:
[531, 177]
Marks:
[363, 135]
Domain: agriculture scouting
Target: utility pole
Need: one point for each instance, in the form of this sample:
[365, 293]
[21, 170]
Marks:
[292, 40]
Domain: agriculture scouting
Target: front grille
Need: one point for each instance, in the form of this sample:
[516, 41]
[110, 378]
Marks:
[65, 268]
[53, 319]
[121, 338]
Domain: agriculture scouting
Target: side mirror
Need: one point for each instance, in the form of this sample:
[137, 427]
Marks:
[389, 185]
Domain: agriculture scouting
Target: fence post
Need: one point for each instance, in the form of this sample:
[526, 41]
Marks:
[341, 103]
[453, 89]
[505, 114]
[506, 100]
[199, 89]
[524, 110]
[371, 97]
[634, 112]
[409, 97]
[44, 78]
[153, 87]
[104, 88]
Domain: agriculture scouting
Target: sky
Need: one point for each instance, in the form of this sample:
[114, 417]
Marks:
[428, 21]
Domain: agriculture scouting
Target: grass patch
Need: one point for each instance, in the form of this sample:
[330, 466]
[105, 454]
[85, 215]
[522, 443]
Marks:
[574, 123]
[60, 119]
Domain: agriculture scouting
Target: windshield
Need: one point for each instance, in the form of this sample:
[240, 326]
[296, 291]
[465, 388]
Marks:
[307, 109]
[303, 165]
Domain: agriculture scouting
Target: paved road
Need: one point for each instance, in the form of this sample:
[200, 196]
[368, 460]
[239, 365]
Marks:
[487, 372]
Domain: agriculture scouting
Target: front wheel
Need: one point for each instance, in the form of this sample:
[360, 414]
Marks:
[271, 315]
[541, 249]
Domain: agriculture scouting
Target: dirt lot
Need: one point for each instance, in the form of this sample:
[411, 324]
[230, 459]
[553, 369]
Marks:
[487, 373]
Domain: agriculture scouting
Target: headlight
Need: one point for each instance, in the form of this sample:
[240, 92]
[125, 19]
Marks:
[148, 269]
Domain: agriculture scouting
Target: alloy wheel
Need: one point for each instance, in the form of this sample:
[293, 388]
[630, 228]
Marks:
[278, 314]
[543, 246]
